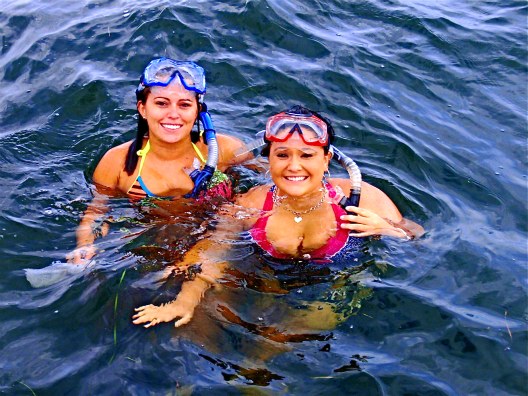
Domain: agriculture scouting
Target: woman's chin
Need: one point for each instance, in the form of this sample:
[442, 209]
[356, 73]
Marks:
[295, 190]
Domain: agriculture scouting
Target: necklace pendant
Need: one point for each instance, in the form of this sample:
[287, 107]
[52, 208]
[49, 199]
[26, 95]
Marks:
[297, 219]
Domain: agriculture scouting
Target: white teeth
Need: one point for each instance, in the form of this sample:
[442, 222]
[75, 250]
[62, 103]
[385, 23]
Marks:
[171, 126]
[296, 178]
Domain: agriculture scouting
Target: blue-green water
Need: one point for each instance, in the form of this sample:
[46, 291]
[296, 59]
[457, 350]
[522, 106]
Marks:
[429, 98]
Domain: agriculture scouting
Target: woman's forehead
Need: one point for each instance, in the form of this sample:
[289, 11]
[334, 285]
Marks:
[282, 146]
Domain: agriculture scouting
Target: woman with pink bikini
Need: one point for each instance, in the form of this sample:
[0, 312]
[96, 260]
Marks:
[299, 216]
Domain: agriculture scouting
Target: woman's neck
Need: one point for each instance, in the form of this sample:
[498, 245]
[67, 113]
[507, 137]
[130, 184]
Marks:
[171, 151]
[303, 202]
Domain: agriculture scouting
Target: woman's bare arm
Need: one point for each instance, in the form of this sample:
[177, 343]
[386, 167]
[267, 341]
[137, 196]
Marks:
[209, 254]
[377, 215]
[89, 229]
[106, 179]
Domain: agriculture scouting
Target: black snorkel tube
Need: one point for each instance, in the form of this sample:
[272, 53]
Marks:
[355, 178]
[202, 177]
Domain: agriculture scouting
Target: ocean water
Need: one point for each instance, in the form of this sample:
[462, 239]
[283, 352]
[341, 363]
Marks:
[429, 98]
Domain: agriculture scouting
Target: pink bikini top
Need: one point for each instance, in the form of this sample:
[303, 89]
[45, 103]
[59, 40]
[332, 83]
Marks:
[334, 244]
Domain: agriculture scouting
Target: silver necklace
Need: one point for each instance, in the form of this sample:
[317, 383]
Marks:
[298, 215]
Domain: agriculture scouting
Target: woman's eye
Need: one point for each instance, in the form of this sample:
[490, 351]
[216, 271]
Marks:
[160, 103]
[282, 155]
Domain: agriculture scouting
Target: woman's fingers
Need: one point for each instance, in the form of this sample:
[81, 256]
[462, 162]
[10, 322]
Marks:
[356, 223]
[367, 223]
[153, 315]
[184, 320]
[364, 222]
[81, 254]
[357, 210]
[146, 313]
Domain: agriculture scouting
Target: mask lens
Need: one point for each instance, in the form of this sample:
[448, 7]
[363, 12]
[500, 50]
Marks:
[187, 78]
[281, 130]
[162, 71]
[310, 134]
[164, 75]
[280, 127]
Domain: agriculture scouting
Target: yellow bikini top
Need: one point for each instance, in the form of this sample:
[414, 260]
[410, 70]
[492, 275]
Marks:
[139, 188]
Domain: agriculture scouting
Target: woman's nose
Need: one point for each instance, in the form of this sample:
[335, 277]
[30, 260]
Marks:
[295, 163]
[174, 112]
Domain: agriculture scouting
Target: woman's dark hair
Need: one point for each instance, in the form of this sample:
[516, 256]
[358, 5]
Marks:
[300, 110]
[142, 131]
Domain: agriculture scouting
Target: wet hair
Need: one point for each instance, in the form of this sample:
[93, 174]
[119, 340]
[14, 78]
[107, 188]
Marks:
[300, 110]
[142, 130]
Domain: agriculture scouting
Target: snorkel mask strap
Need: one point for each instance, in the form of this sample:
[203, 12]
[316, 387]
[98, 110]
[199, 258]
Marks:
[202, 177]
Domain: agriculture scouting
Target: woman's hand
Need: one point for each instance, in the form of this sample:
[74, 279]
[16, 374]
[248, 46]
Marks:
[182, 307]
[367, 223]
[82, 254]
[153, 314]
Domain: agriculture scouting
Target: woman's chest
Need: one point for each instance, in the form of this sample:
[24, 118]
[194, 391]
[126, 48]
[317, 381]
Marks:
[292, 237]
[158, 181]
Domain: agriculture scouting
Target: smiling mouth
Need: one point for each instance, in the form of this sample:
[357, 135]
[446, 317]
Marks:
[171, 126]
[296, 178]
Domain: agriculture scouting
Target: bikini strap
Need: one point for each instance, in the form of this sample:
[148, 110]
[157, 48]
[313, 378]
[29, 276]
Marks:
[198, 152]
[331, 191]
[143, 154]
[268, 202]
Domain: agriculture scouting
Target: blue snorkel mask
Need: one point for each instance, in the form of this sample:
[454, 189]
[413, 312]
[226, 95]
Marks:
[163, 71]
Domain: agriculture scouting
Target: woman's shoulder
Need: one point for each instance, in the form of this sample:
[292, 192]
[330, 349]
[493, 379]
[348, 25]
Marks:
[111, 165]
[120, 150]
[116, 155]
[230, 147]
[254, 198]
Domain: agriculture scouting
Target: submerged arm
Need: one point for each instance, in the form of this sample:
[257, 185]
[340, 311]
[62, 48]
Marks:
[208, 252]
[88, 230]
[106, 177]
[190, 295]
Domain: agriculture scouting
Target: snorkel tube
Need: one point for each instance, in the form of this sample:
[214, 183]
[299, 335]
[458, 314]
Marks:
[202, 177]
[355, 178]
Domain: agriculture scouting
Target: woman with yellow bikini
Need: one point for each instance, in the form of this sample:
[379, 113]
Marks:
[157, 163]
